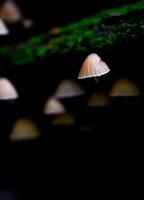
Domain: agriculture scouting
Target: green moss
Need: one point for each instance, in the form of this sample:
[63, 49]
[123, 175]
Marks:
[4, 50]
[37, 39]
[41, 51]
[142, 26]
[20, 60]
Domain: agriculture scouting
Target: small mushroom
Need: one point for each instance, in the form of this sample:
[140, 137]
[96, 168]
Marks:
[27, 23]
[98, 99]
[7, 90]
[93, 66]
[24, 129]
[53, 106]
[64, 119]
[68, 88]
[124, 87]
[10, 12]
[3, 28]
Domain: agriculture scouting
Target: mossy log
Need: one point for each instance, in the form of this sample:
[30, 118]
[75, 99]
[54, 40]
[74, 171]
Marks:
[102, 30]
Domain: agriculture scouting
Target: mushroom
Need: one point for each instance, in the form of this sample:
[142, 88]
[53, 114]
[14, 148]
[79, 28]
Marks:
[10, 12]
[3, 28]
[24, 129]
[7, 90]
[98, 99]
[53, 106]
[124, 87]
[64, 119]
[68, 88]
[93, 66]
[27, 23]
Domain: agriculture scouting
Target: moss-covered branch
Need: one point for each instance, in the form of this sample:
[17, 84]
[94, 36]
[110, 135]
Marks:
[103, 29]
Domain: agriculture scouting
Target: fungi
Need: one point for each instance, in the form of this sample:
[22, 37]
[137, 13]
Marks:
[68, 88]
[93, 66]
[7, 90]
[24, 129]
[65, 119]
[98, 99]
[124, 87]
[10, 11]
[3, 28]
[53, 106]
[27, 23]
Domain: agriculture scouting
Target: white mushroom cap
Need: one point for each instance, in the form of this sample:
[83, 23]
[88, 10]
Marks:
[93, 66]
[3, 28]
[7, 89]
[68, 88]
[53, 106]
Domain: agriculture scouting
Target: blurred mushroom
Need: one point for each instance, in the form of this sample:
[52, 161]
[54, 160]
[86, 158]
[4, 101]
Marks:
[98, 99]
[65, 119]
[3, 28]
[93, 66]
[7, 90]
[53, 106]
[68, 88]
[124, 87]
[10, 11]
[27, 23]
[24, 129]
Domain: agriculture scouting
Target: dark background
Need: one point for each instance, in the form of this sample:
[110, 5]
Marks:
[26, 165]
[51, 13]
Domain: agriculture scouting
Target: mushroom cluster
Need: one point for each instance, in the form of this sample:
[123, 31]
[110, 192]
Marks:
[70, 104]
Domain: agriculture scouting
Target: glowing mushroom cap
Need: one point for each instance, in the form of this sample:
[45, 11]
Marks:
[93, 66]
[3, 28]
[10, 11]
[7, 89]
[24, 129]
[124, 87]
[98, 99]
[65, 119]
[68, 88]
[53, 106]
